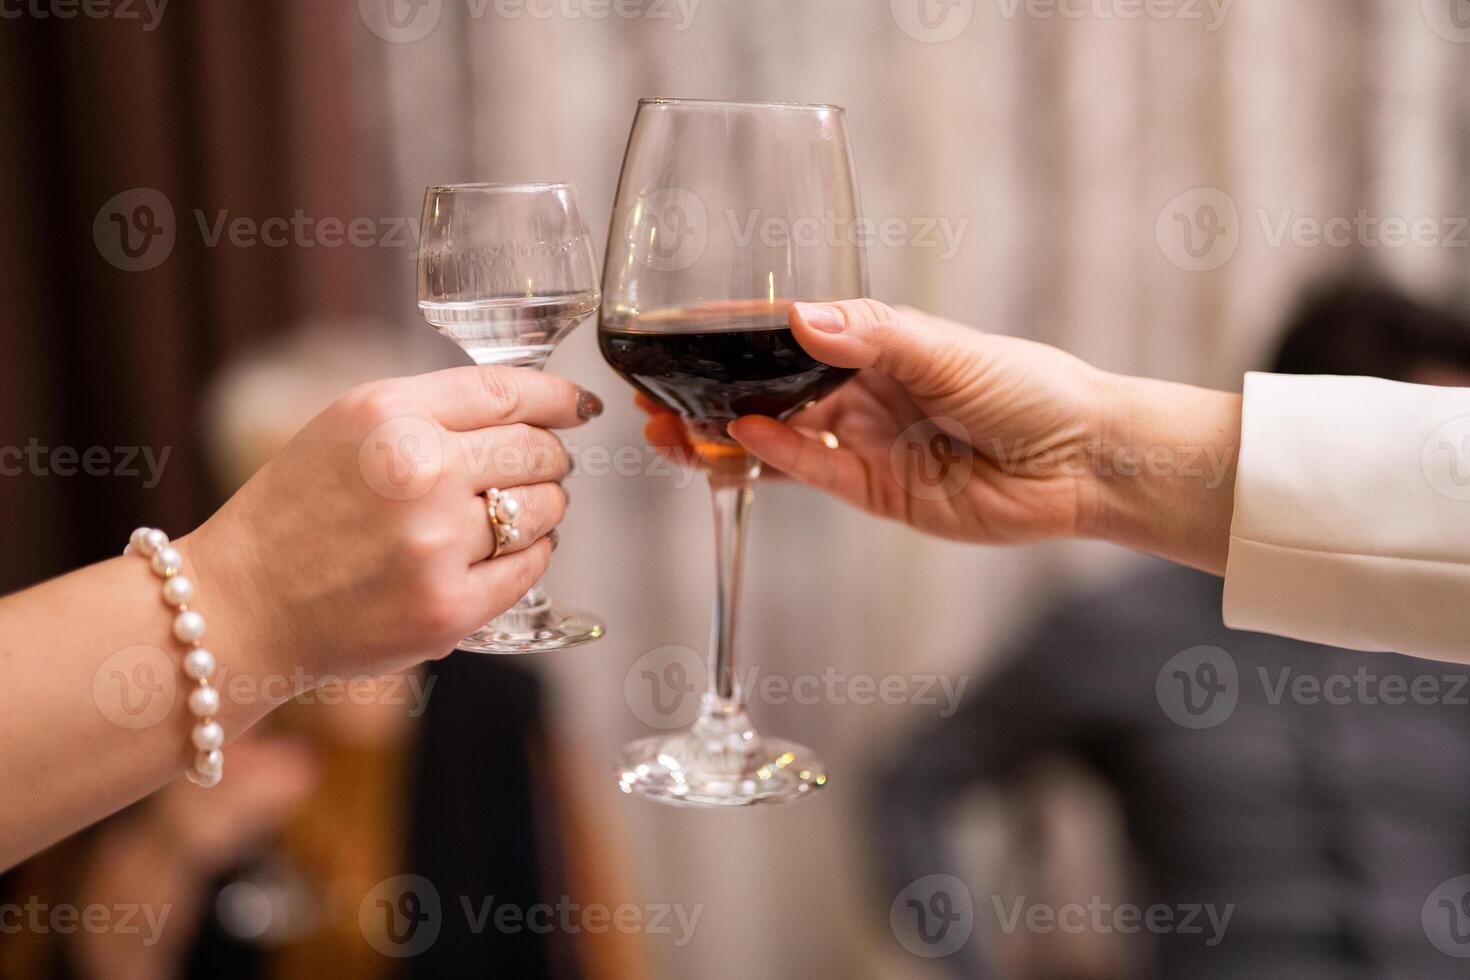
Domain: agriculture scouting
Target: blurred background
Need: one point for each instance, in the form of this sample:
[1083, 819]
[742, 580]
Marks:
[210, 223]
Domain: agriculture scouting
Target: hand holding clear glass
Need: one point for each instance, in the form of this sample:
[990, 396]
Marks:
[506, 271]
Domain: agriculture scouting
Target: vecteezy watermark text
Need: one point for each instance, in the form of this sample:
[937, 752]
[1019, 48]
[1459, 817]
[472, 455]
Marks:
[136, 230]
[121, 918]
[670, 227]
[1201, 687]
[124, 10]
[1099, 916]
[1201, 229]
[403, 915]
[1210, 13]
[34, 459]
[137, 687]
[664, 688]
[937, 21]
[406, 21]
[934, 916]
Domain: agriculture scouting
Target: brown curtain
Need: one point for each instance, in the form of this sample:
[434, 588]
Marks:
[227, 110]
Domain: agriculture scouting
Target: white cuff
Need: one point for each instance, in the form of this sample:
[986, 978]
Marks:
[1352, 515]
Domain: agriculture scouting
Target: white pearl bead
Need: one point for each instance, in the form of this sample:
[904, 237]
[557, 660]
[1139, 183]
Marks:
[207, 780]
[167, 559]
[138, 539]
[208, 736]
[204, 702]
[188, 626]
[199, 664]
[514, 534]
[178, 590]
[210, 761]
[509, 507]
[152, 540]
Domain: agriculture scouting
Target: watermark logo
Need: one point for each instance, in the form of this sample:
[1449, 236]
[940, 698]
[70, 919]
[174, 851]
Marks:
[1198, 688]
[1450, 19]
[400, 21]
[1445, 459]
[1364, 230]
[663, 688]
[1210, 13]
[405, 21]
[1199, 230]
[122, 919]
[148, 12]
[932, 459]
[669, 229]
[135, 687]
[401, 916]
[932, 21]
[135, 229]
[572, 918]
[35, 459]
[1099, 917]
[680, 11]
[832, 230]
[933, 917]
[1446, 917]
[402, 458]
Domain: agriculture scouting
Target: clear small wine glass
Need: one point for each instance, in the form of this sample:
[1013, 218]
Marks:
[726, 214]
[506, 271]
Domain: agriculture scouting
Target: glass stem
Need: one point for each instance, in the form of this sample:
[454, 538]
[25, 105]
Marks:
[536, 599]
[733, 489]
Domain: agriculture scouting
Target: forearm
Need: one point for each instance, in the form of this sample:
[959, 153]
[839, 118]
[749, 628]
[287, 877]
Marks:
[93, 712]
[1164, 470]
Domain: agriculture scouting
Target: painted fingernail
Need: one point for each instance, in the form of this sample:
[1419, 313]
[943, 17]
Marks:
[554, 536]
[827, 319]
[589, 406]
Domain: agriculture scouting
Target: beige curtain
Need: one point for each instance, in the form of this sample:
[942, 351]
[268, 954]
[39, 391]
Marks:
[1059, 142]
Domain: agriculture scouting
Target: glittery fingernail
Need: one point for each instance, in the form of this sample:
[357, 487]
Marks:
[589, 406]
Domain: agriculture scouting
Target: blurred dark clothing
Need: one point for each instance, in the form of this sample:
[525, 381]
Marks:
[1326, 825]
[480, 825]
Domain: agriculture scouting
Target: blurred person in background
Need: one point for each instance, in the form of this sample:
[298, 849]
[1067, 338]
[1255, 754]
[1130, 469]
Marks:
[447, 771]
[1318, 818]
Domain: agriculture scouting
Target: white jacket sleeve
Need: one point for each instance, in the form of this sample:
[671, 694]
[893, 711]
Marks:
[1352, 515]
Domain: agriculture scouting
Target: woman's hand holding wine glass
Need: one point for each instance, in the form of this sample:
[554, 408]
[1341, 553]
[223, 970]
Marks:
[364, 544]
[996, 440]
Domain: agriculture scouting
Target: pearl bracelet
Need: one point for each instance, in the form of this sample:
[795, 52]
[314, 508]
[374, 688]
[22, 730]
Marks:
[207, 736]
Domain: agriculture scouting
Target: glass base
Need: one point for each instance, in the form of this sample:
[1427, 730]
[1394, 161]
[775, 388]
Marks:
[716, 763]
[533, 624]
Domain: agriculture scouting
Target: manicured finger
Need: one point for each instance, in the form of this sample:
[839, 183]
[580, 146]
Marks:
[665, 432]
[864, 333]
[539, 508]
[511, 456]
[465, 398]
[499, 582]
[804, 457]
[649, 405]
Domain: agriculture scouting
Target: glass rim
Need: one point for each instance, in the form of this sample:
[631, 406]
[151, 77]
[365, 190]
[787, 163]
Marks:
[502, 185]
[735, 104]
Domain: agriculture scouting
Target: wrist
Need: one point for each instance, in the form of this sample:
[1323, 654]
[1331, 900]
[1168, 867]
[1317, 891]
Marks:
[1163, 469]
[250, 664]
